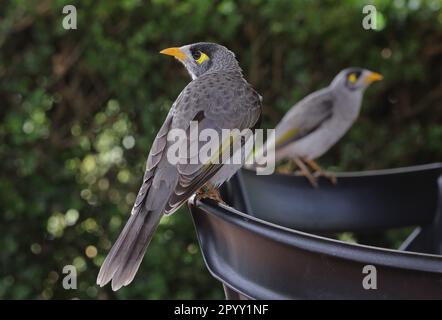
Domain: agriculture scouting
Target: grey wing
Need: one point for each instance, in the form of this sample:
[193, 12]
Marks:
[213, 107]
[155, 156]
[304, 117]
[223, 109]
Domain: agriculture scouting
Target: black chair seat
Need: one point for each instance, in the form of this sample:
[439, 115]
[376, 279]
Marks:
[259, 260]
[257, 253]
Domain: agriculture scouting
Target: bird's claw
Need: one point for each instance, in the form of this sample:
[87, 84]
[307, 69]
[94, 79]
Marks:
[312, 179]
[209, 192]
[328, 175]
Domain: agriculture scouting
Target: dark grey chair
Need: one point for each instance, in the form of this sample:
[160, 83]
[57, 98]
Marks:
[253, 247]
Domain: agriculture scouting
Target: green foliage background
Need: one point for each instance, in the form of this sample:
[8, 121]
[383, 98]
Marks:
[79, 110]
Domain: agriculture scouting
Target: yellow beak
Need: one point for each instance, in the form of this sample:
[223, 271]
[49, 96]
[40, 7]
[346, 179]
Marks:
[372, 77]
[176, 52]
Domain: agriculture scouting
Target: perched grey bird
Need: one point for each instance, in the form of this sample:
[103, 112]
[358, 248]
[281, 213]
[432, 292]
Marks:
[313, 125]
[217, 98]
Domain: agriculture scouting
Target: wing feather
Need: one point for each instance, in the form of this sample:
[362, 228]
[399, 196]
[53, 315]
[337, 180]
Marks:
[304, 117]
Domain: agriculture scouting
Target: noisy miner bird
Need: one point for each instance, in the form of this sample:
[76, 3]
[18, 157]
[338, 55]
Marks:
[218, 97]
[313, 125]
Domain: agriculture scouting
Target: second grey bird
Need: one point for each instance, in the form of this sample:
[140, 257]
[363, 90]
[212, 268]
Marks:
[217, 98]
[317, 122]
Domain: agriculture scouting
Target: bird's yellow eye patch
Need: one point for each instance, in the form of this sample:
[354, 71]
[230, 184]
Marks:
[203, 57]
[352, 78]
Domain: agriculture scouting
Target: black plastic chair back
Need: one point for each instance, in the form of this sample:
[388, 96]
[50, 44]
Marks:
[361, 201]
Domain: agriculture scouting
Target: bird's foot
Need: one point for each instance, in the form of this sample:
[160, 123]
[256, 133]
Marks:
[321, 173]
[304, 171]
[328, 175]
[312, 179]
[208, 191]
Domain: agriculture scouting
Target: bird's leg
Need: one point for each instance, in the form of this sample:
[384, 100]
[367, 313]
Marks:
[208, 191]
[319, 172]
[305, 172]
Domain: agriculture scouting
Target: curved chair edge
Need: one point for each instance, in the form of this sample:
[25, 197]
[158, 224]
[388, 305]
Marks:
[311, 242]
[376, 172]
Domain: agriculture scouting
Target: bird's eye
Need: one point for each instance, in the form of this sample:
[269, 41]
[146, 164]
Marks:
[352, 78]
[196, 54]
[199, 56]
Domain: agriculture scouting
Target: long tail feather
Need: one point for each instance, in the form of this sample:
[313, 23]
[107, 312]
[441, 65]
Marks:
[125, 257]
